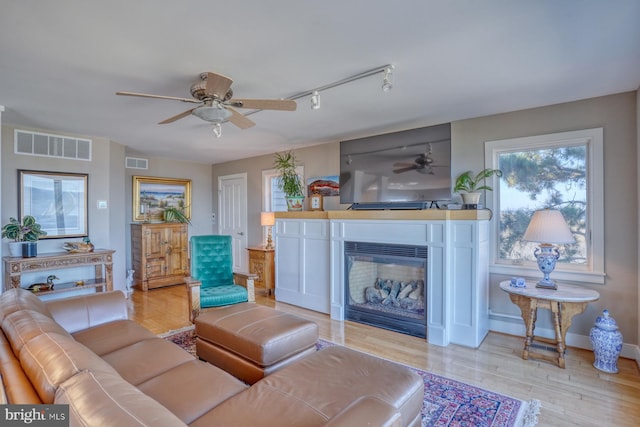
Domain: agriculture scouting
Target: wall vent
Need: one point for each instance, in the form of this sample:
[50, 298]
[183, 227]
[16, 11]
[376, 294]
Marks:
[136, 163]
[48, 145]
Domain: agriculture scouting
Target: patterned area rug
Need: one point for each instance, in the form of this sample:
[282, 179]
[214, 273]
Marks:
[447, 402]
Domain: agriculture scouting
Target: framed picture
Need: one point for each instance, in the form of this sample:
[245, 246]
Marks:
[151, 195]
[57, 200]
[324, 185]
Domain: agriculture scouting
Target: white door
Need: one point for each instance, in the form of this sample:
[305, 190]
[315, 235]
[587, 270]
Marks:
[232, 212]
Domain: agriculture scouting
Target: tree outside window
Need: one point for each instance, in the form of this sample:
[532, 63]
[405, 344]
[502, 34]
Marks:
[554, 178]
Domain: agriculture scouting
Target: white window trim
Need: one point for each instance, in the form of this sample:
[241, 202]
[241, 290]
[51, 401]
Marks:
[593, 272]
[267, 175]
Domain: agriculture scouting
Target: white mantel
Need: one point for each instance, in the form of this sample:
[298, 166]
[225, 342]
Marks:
[310, 263]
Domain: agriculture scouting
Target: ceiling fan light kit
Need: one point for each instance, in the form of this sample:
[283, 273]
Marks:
[214, 114]
[215, 95]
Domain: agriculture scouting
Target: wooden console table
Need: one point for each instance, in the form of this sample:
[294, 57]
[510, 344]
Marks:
[14, 267]
[564, 303]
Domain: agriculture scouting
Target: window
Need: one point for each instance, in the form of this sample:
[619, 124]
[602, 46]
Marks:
[274, 200]
[560, 171]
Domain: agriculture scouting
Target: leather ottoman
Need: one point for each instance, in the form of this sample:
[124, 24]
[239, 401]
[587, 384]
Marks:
[251, 341]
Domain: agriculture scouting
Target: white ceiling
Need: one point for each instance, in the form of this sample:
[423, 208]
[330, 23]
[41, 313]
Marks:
[62, 61]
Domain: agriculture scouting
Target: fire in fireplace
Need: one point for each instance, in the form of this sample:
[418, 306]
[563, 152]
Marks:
[385, 286]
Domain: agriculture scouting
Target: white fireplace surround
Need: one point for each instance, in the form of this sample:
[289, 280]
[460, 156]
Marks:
[310, 254]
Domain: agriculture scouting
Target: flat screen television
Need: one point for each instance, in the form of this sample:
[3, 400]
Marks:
[401, 170]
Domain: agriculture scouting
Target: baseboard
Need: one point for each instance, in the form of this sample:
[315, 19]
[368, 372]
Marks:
[511, 327]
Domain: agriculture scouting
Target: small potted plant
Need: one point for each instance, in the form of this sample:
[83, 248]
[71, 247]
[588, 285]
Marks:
[20, 232]
[289, 181]
[471, 185]
[175, 214]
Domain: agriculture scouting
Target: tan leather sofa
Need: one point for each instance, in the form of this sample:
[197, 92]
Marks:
[84, 352]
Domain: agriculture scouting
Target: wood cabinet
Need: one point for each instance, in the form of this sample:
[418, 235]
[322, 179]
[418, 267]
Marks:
[160, 254]
[261, 263]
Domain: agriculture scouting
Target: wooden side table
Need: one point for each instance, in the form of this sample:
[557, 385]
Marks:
[261, 263]
[564, 303]
[101, 259]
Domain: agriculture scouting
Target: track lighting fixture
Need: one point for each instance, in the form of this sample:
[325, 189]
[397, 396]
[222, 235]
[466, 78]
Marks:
[386, 80]
[315, 93]
[315, 100]
[217, 130]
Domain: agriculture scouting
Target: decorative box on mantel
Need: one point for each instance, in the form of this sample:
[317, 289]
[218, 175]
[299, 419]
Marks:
[310, 263]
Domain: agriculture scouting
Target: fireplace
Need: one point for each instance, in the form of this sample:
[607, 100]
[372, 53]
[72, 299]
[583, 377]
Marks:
[386, 286]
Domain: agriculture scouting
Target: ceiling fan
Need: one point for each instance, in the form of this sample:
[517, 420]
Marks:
[422, 164]
[217, 105]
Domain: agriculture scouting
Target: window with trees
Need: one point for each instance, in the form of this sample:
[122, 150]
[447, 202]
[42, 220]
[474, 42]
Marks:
[559, 171]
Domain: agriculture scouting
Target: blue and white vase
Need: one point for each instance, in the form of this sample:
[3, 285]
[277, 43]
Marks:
[606, 341]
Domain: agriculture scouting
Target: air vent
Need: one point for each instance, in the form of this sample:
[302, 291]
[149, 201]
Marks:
[386, 250]
[47, 145]
[136, 163]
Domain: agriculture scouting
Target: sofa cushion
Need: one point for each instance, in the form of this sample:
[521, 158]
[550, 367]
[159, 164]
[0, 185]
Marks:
[21, 326]
[206, 387]
[216, 296]
[17, 299]
[111, 336]
[103, 399]
[315, 389]
[50, 358]
[85, 311]
[146, 359]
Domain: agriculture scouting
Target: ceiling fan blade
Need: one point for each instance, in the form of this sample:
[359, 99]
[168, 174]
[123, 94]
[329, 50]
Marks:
[177, 117]
[407, 169]
[217, 85]
[146, 95]
[265, 104]
[239, 120]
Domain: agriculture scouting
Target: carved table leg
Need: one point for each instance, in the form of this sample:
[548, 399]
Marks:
[555, 314]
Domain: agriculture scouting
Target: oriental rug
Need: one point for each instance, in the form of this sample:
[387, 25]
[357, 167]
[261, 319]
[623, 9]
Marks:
[447, 402]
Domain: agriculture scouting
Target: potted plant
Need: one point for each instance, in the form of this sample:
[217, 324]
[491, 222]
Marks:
[26, 231]
[289, 181]
[175, 214]
[472, 184]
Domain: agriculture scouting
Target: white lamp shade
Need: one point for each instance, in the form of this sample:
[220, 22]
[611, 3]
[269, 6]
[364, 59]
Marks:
[267, 218]
[548, 226]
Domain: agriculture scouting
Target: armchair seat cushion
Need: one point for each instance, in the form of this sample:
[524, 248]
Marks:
[222, 295]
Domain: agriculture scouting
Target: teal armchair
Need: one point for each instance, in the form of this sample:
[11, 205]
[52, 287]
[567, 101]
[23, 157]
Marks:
[213, 282]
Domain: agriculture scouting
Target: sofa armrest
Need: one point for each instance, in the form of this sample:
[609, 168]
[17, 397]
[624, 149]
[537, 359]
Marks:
[193, 297]
[84, 311]
[246, 280]
[367, 411]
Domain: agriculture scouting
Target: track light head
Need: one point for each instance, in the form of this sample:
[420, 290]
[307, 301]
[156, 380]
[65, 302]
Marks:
[315, 100]
[387, 85]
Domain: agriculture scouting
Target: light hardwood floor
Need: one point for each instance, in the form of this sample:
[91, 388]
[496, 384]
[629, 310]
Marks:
[579, 395]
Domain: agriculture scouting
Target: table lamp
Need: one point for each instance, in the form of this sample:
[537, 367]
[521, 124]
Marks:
[268, 219]
[547, 227]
